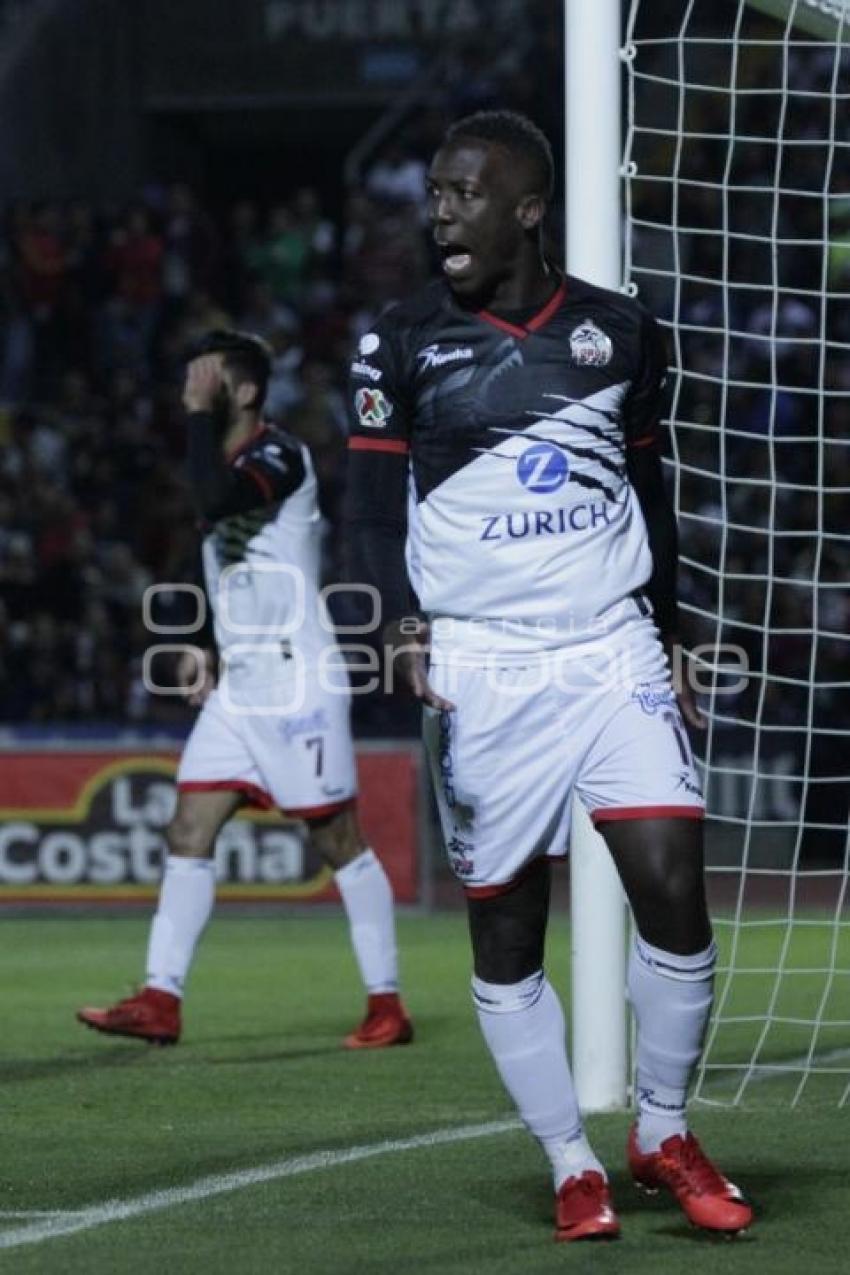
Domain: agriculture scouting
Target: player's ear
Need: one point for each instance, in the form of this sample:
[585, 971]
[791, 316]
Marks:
[530, 211]
[246, 394]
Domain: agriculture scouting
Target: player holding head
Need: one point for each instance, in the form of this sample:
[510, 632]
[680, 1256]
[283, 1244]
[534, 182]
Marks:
[542, 549]
[255, 489]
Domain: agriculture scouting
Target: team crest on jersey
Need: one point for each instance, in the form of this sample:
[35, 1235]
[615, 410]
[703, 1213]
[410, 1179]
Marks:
[590, 346]
[373, 408]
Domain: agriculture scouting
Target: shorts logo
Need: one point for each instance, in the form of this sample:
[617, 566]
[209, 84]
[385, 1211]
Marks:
[368, 344]
[685, 780]
[307, 724]
[543, 468]
[459, 853]
[590, 346]
[373, 408]
[651, 696]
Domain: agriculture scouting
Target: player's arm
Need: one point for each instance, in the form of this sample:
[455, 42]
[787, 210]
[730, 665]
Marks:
[646, 475]
[376, 508]
[268, 471]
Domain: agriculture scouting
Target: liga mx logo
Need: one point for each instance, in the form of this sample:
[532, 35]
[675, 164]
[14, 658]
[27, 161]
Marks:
[373, 408]
[543, 468]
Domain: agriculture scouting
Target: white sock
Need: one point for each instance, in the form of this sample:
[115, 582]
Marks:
[523, 1025]
[186, 899]
[671, 996]
[368, 899]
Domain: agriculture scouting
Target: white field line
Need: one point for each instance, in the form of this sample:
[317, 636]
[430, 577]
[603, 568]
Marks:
[11, 1213]
[56, 1225]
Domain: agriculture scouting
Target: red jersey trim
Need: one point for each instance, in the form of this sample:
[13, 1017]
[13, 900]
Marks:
[549, 310]
[254, 796]
[231, 455]
[359, 444]
[260, 479]
[536, 322]
[607, 814]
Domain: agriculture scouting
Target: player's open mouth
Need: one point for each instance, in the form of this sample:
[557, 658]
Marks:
[456, 260]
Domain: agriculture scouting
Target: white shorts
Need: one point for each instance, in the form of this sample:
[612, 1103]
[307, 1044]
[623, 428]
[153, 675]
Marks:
[522, 739]
[301, 762]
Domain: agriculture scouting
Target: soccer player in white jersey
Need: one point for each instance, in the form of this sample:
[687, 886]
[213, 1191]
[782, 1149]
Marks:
[273, 731]
[504, 462]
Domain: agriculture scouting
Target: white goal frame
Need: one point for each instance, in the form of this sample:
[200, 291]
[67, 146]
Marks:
[593, 65]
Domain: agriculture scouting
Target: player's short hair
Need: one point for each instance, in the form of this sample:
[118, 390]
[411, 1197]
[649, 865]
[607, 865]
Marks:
[515, 133]
[246, 356]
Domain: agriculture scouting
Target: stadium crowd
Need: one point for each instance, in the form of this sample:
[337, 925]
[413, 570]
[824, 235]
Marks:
[98, 307]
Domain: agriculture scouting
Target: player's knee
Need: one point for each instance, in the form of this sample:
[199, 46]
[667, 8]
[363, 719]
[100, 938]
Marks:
[502, 953]
[188, 838]
[336, 837]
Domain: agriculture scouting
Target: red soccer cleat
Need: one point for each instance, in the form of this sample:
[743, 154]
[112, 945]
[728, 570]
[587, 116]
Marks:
[707, 1198]
[150, 1014]
[583, 1209]
[386, 1023]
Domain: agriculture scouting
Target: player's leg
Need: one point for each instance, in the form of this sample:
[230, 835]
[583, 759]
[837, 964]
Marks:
[500, 823]
[307, 763]
[368, 901]
[187, 892]
[670, 982]
[215, 776]
[523, 1025]
[639, 782]
[186, 897]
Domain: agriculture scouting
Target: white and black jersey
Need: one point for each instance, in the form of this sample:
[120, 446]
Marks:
[510, 437]
[261, 551]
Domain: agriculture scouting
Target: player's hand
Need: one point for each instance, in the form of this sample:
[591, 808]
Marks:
[188, 676]
[203, 383]
[406, 644]
[688, 706]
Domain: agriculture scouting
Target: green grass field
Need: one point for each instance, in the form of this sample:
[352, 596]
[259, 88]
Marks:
[95, 1128]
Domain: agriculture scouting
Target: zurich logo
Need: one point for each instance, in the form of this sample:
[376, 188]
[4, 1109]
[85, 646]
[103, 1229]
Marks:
[543, 468]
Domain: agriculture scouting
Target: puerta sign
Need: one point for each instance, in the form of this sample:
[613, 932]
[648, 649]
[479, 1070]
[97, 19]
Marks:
[271, 51]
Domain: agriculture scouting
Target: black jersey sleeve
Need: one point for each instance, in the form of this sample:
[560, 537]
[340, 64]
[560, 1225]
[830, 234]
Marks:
[642, 408]
[646, 475]
[377, 480]
[265, 472]
[647, 479]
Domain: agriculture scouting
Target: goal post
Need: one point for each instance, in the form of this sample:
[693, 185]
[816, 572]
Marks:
[593, 203]
[733, 173]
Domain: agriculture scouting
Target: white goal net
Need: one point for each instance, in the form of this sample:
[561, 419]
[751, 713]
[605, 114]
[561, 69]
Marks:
[738, 238]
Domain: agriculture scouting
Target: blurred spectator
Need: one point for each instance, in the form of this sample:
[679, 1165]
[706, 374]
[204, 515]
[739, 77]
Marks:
[99, 306]
[397, 177]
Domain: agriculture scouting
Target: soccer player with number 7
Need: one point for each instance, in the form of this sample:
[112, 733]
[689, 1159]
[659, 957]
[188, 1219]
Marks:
[506, 497]
[272, 732]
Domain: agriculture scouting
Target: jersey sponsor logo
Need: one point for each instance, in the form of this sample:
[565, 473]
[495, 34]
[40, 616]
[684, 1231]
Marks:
[546, 522]
[590, 346]
[433, 356]
[359, 368]
[650, 697]
[543, 468]
[373, 408]
[368, 344]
